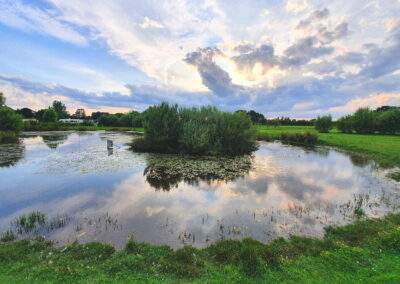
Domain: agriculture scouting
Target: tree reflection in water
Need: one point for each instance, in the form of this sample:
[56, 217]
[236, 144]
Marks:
[54, 140]
[11, 153]
[167, 171]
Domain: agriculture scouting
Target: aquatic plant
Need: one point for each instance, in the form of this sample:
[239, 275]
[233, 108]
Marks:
[7, 236]
[166, 171]
[200, 131]
[31, 221]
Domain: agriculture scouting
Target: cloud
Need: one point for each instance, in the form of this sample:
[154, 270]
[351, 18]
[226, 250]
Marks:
[316, 15]
[214, 77]
[32, 19]
[304, 51]
[150, 24]
[296, 6]
[372, 101]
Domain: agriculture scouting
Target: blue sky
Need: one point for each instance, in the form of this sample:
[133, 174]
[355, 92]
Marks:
[297, 58]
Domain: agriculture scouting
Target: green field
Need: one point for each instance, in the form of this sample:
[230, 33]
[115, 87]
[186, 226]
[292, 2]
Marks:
[365, 252]
[385, 149]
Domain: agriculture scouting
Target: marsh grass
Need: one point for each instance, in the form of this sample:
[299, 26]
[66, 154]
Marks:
[195, 131]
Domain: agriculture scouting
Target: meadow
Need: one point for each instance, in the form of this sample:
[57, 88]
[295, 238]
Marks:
[367, 251]
[384, 149]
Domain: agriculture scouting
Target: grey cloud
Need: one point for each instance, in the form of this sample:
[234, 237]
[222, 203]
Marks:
[263, 54]
[304, 51]
[316, 15]
[213, 77]
[327, 36]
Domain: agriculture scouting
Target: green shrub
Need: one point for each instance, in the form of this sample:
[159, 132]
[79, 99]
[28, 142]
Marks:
[162, 127]
[364, 121]
[389, 121]
[10, 120]
[49, 115]
[200, 131]
[305, 139]
[345, 124]
[185, 262]
[323, 123]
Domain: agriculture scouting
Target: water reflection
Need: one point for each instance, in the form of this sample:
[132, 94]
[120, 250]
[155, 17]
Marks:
[55, 140]
[11, 153]
[288, 190]
[168, 171]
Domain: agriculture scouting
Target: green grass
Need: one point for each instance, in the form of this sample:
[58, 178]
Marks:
[385, 149]
[367, 251]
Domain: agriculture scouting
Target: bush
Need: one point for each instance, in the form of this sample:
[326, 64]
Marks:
[345, 124]
[364, 121]
[10, 120]
[49, 115]
[201, 131]
[389, 121]
[323, 123]
[305, 139]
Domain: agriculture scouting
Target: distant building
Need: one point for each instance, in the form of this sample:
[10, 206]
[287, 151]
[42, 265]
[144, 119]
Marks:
[72, 120]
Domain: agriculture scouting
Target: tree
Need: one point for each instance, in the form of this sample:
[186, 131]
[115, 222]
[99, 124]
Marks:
[96, 115]
[2, 99]
[26, 113]
[364, 120]
[345, 124]
[389, 121]
[10, 120]
[60, 109]
[49, 115]
[323, 123]
[80, 113]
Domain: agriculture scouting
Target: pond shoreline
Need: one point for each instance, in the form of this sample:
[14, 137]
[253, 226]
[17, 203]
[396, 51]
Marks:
[365, 250]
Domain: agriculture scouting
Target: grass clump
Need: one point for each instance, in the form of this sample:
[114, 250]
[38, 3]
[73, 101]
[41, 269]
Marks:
[198, 131]
[304, 139]
[27, 223]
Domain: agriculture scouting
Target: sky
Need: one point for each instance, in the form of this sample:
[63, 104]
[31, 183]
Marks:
[296, 58]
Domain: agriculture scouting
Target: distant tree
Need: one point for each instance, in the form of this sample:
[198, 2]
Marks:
[96, 115]
[60, 109]
[80, 113]
[26, 113]
[345, 124]
[364, 120]
[389, 121]
[10, 120]
[386, 108]
[49, 115]
[323, 123]
[256, 117]
[2, 99]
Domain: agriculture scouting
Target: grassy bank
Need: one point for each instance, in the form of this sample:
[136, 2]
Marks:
[385, 149]
[365, 252]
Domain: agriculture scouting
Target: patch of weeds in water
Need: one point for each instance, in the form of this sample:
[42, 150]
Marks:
[8, 236]
[395, 176]
[30, 222]
[166, 171]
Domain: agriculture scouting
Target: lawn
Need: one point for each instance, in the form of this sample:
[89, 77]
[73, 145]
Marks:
[385, 149]
[367, 251]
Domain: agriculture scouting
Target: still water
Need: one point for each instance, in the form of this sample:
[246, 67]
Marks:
[90, 193]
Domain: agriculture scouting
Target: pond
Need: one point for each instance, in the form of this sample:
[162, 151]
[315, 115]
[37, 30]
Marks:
[91, 193]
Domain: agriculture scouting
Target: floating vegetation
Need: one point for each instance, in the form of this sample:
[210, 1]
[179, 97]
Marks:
[166, 171]
[11, 153]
